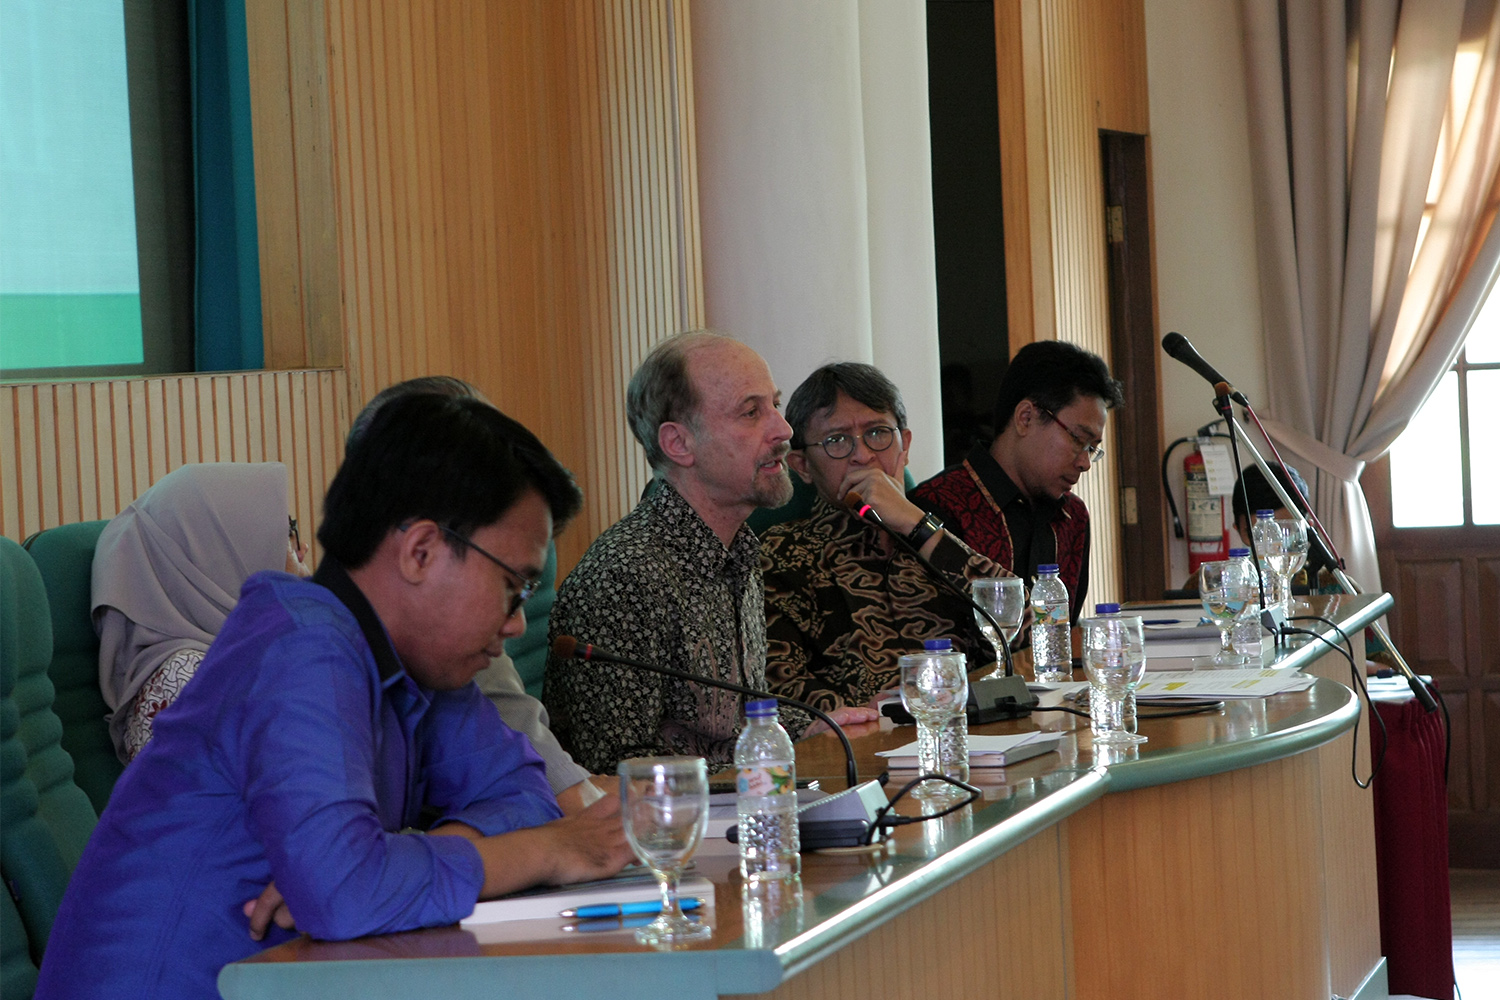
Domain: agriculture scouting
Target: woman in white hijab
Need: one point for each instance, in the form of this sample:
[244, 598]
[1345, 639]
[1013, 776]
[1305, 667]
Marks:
[168, 570]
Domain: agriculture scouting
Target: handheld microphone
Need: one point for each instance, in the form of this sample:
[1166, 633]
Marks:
[994, 698]
[566, 647]
[1177, 346]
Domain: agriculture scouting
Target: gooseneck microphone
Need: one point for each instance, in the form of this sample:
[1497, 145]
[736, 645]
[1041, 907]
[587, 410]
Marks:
[868, 514]
[1177, 346]
[994, 698]
[566, 647]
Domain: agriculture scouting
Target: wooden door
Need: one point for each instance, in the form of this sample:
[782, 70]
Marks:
[1446, 584]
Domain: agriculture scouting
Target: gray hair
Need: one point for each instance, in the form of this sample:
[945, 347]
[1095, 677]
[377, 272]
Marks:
[432, 385]
[865, 384]
[661, 392]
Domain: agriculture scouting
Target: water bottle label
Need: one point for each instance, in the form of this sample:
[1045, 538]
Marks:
[773, 779]
[1056, 615]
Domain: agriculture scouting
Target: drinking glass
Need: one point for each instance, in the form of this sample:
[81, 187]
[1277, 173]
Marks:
[1005, 599]
[1225, 593]
[934, 689]
[1114, 656]
[664, 806]
[1294, 535]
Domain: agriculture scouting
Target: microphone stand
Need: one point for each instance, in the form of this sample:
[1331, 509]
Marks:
[1418, 688]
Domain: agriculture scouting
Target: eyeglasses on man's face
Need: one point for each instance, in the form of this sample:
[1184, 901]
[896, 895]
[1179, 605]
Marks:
[1081, 445]
[528, 584]
[293, 535]
[877, 438]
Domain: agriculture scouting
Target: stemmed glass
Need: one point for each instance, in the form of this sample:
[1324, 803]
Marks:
[664, 804]
[934, 689]
[1114, 656]
[1294, 535]
[1225, 593]
[1005, 599]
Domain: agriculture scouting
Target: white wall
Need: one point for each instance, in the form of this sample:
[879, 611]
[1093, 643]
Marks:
[1206, 275]
[815, 185]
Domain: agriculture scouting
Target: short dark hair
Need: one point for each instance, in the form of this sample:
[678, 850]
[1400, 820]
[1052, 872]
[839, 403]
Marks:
[1053, 373]
[661, 391]
[1260, 494]
[865, 384]
[439, 385]
[454, 460]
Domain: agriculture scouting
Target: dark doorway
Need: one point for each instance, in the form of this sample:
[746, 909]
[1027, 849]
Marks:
[1134, 357]
[973, 340]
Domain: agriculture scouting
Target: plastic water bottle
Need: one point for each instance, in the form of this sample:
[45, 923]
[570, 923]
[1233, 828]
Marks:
[1245, 636]
[1270, 545]
[1051, 642]
[1127, 710]
[766, 782]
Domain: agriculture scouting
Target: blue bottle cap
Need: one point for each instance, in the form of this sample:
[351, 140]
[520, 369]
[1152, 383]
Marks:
[937, 645]
[1264, 515]
[1235, 553]
[760, 707]
[1047, 568]
[1106, 609]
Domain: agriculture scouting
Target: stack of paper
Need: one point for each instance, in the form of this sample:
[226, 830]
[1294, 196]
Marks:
[1196, 684]
[984, 751]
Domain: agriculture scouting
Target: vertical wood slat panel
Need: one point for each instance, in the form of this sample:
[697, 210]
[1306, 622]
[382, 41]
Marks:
[101, 444]
[511, 182]
[1056, 92]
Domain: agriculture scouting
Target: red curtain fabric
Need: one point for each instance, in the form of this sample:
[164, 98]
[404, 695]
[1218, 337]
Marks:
[1411, 852]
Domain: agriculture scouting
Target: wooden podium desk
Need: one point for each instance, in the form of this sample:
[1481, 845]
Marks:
[1231, 856]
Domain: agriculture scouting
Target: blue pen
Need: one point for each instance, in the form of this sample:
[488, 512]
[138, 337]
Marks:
[650, 908]
[611, 924]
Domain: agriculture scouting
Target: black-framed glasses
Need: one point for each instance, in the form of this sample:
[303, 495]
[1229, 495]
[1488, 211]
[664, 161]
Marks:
[528, 584]
[293, 534]
[877, 438]
[1081, 445]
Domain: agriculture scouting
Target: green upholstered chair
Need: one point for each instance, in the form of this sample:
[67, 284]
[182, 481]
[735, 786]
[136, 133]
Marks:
[45, 819]
[529, 649]
[65, 557]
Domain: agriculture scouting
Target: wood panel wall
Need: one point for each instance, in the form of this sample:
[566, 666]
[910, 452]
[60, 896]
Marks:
[80, 451]
[502, 192]
[516, 198]
[1066, 70]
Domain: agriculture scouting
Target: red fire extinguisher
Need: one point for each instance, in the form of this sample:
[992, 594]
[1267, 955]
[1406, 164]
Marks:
[1208, 535]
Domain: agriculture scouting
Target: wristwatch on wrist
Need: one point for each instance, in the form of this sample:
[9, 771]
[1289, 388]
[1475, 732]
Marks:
[925, 529]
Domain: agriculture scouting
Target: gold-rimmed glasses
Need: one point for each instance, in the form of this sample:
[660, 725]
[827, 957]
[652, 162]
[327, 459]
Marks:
[1081, 445]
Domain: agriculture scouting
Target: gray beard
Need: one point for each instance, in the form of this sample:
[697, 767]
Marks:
[773, 493]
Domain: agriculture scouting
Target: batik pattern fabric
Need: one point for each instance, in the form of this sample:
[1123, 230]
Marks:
[157, 693]
[661, 587]
[843, 604]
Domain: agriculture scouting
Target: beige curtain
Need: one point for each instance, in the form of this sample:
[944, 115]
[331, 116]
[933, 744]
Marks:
[1348, 100]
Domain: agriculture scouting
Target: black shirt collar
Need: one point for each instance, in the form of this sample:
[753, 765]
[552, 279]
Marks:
[333, 576]
[1000, 486]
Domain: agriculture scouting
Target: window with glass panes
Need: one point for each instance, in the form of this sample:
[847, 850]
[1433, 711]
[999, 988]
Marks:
[1440, 474]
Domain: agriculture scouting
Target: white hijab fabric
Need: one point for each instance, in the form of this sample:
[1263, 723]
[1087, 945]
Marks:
[168, 569]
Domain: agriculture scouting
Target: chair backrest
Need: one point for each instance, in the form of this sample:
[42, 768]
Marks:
[529, 649]
[65, 557]
[45, 820]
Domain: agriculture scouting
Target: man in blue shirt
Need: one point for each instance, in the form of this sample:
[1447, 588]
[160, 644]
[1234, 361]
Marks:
[331, 715]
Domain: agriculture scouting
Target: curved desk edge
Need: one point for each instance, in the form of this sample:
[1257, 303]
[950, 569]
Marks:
[875, 909]
[1320, 724]
[1356, 619]
[1335, 711]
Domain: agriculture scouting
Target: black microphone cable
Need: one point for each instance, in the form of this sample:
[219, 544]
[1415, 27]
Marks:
[566, 647]
[865, 512]
[1429, 687]
[1356, 676]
